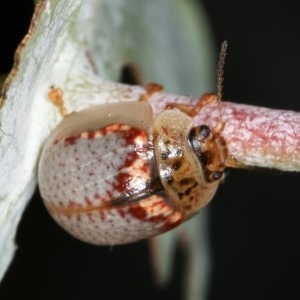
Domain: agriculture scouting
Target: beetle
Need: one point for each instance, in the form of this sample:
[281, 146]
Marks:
[115, 173]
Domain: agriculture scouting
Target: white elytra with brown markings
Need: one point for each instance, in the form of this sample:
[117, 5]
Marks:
[114, 174]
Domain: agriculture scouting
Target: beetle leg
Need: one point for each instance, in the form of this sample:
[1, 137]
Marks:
[193, 110]
[55, 95]
[151, 88]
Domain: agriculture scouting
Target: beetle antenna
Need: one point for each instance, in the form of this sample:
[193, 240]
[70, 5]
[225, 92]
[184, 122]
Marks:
[220, 78]
[220, 71]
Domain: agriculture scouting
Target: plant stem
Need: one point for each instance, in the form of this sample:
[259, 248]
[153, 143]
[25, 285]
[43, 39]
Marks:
[255, 136]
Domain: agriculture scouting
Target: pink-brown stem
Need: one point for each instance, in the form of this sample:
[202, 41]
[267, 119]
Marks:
[255, 136]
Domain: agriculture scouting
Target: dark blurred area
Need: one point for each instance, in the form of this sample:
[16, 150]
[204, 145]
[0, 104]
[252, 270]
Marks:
[254, 219]
[14, 23]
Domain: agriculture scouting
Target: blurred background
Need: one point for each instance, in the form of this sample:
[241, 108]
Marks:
[254, 219]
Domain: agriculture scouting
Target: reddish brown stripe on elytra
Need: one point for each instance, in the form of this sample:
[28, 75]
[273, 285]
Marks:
[88, 201]
[138, 212]
[91, 135]
[122, 182]
[72, 140]
[97, 196]
[172, 224]
[122, 212]
[157, 212]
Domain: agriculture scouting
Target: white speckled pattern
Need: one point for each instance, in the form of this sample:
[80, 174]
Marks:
[93, 183]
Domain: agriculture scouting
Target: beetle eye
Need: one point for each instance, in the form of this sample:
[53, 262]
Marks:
[199, 134]
[217, 175]
[205, 149]
[203, 132]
